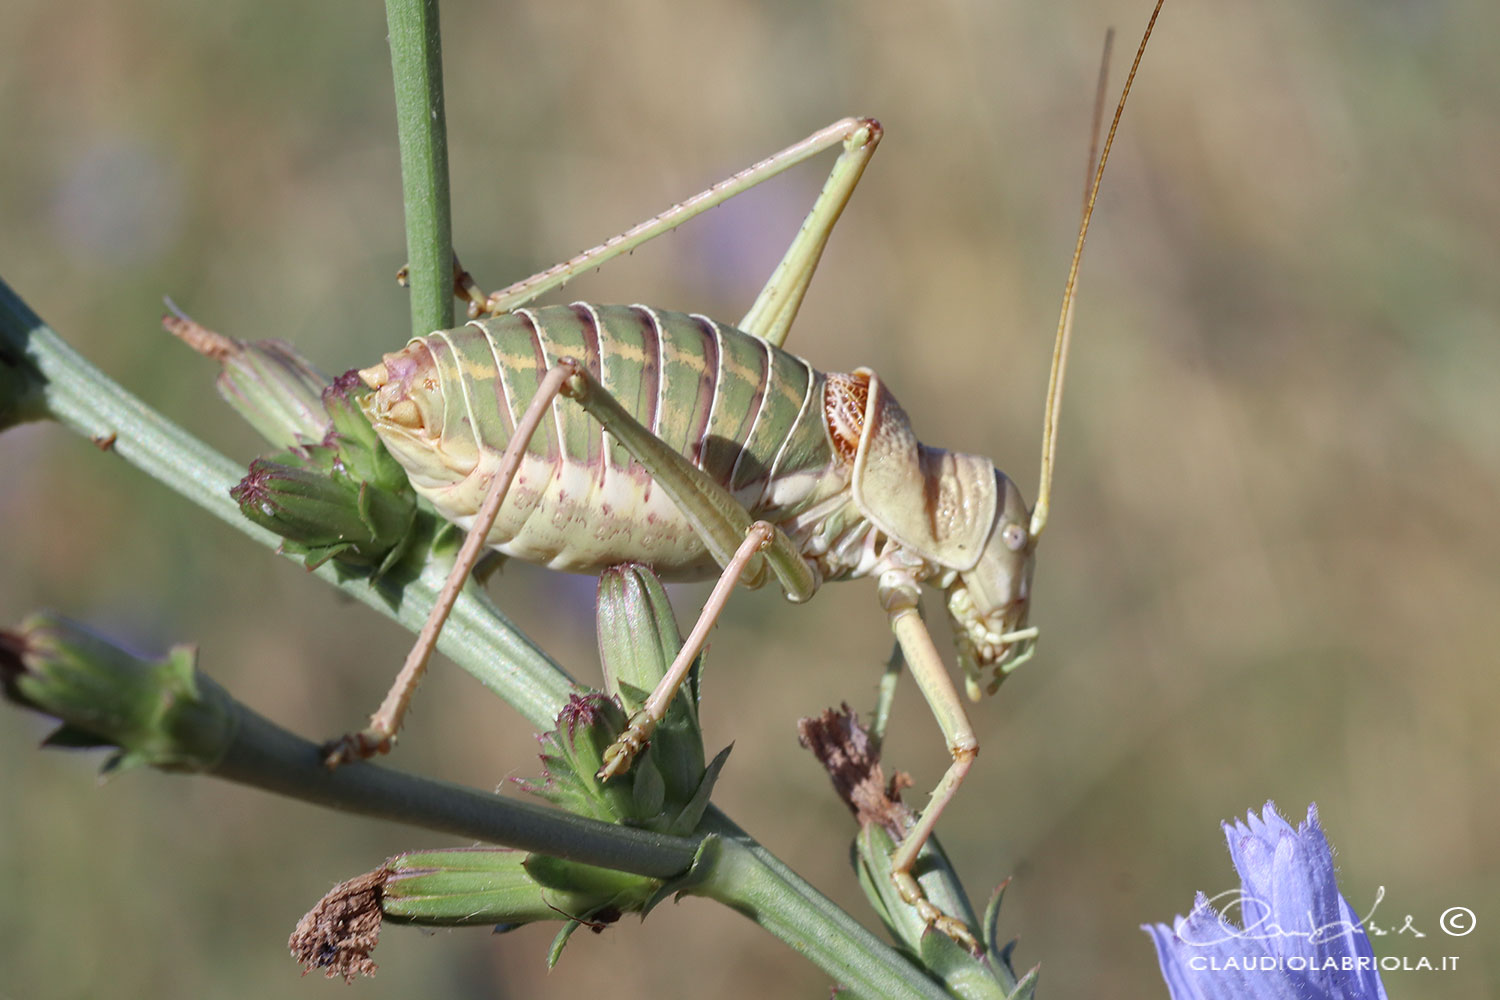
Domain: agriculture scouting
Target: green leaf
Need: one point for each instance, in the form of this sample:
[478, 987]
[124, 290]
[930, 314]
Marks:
[688, 819]
[1026, 988]
[648, 791]
[554, 952]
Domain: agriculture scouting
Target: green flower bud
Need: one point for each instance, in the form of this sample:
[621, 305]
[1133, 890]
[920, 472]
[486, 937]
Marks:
[573, 753]
[638, 636]
[462, 887]
[668, 786]
[335, 492]
[341, 402]
[151, 709]
[363, 454]
[274, 388]
[496, 885]
[323, 512]
[638, 639]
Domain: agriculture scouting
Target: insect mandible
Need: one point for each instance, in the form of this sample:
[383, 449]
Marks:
[582, 436]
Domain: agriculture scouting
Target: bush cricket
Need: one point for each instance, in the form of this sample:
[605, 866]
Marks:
[583, 436]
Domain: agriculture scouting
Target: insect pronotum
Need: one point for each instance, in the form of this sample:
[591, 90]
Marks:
[582, 436]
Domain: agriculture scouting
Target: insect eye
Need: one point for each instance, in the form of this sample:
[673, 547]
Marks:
[1014, 537]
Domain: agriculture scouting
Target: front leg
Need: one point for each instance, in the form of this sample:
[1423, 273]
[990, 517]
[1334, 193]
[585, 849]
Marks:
[899, 595]
[378, 736]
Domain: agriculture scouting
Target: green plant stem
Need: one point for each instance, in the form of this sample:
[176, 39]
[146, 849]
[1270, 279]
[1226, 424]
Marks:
[56, 381]
[748, 879]
[266, 756]
[885, 696]
[417, 67]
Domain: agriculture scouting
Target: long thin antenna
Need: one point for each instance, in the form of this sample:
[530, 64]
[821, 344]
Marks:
[1097, 123]
[1065, 321]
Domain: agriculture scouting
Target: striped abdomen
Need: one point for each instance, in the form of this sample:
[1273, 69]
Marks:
[748, 414]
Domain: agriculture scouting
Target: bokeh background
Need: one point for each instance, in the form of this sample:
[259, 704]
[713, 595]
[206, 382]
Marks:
[1273, 569]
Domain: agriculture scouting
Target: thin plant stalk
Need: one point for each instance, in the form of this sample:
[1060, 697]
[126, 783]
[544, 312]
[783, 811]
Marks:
[417, 67]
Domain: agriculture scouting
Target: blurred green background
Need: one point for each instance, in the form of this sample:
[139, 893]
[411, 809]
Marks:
[1273, 567]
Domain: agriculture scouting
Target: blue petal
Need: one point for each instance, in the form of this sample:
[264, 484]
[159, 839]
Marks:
[1297, 938]
[1180, 980]
[1252, 848]
[1365, 982]
[1204, 958]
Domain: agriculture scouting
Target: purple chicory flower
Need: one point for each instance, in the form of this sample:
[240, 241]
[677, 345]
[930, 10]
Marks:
[1297, 940]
